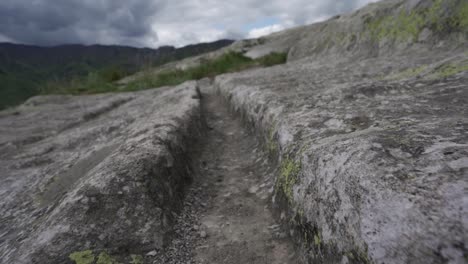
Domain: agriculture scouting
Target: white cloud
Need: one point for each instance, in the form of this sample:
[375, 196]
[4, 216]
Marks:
[156, 22]
[263, 31]
[5, 39]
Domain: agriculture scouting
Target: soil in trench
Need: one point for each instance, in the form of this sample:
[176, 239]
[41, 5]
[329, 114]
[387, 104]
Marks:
[227, 216]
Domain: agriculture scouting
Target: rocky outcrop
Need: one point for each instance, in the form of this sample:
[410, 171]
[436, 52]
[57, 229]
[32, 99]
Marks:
[382, 28]
[103, 173]
[367, 124]
[369, 133]
[372, 170]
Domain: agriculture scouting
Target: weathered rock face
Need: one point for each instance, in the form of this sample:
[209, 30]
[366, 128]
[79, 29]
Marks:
[371, 138]
[377, 169]
[99, 172]
[367, 121]
[386, 27]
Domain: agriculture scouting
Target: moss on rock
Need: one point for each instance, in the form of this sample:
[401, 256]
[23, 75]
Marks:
[462, 16]
[271, 144]
[288, 177]
[448, 70]
[104, 258]
[136, 259]
[441, 17]
[408, 73]
[358, 256]
[82, 257]
[406, 25]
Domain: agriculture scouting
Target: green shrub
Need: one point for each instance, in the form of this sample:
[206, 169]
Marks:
[113, 73]
[273, 58]
[103, 81]
[94, 82]
[229, 62]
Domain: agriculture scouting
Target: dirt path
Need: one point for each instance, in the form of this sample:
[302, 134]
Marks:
[238, 223]
[227, 218]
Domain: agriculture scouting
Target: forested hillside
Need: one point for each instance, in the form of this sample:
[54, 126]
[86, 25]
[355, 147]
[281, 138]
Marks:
[24, 69]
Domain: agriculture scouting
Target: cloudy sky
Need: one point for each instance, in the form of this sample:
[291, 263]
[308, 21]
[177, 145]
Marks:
[152, 23]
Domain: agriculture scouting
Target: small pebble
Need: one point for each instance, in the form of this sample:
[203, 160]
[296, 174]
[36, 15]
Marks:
[202, 234]
[253, 189]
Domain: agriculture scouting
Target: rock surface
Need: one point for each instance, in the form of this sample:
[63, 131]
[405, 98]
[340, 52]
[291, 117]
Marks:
[371, 140]
[376, 168]
[366, 128]
[95, 173]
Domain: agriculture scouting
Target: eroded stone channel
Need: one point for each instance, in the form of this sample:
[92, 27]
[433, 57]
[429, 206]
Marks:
[227, 217]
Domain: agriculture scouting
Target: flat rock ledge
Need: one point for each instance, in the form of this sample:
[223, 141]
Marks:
[94, 176]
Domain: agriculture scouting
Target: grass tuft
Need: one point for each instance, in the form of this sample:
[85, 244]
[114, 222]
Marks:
[273, 58]
[288, 177]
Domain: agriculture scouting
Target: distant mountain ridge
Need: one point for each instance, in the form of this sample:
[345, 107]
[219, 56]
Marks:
[24, 68]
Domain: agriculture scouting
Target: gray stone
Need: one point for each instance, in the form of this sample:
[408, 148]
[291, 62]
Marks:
[102, 172]
[371, 141]
[369, 133]
[203, 234]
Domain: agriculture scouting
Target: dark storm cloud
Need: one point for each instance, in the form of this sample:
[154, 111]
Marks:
[49, 22]
[155, 22]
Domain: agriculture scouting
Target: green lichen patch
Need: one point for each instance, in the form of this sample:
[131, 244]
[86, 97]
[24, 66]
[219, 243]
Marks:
[311, 241]
[406, 25]
[448, 70]
[288, 177]
[408, 73]
[440, 17]
[136, 259]
[82, 257]
[104, 258]
[317, 240]
[271, 144]
[433, 15]
[341, 38]
[358, 256]
[459, 20]
[462, 16]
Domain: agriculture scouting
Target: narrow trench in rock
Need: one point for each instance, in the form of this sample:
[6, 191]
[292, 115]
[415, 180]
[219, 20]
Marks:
[227, 215]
